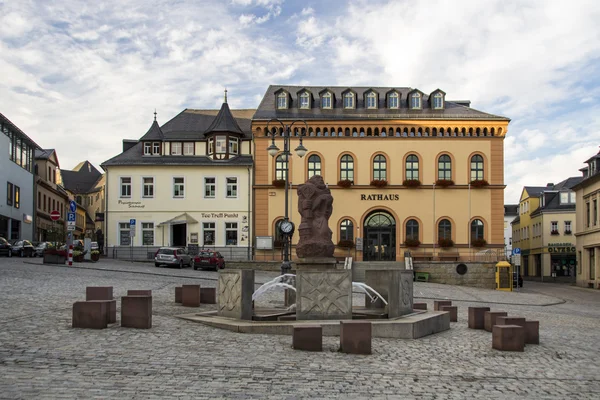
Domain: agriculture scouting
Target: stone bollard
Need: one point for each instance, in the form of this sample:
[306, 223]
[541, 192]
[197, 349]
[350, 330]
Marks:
[355, 337]
[477, 317]
[419, 306]
[103, 293]
[490, 319]
[178, 296]
[208, 295]
[136, 312]
[532, 332]
[90, 314]
[308, 337]
[453, 310]
[508, 338]
[190, 296]
[438, 303]
[511, 321]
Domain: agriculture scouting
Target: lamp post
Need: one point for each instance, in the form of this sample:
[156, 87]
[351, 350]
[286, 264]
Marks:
[286, 227]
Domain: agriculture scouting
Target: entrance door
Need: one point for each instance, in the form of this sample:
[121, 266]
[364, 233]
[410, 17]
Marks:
[178, 235]
[380, 234]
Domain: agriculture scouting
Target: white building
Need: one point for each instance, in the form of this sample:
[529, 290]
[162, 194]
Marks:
[187, 183]
[510, 213]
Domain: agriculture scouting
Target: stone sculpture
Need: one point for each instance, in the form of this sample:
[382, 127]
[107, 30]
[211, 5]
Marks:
[315, 205]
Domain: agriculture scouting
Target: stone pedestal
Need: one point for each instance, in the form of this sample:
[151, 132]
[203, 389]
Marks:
[355, 337]
[139, 292]
[178, 294]
[439, 303]
[453, 310]
[396, 287]
[419, 306]
[519, 321]
[477, 317]
[234, 293]
[323, 294]
[136, 312]
[508, 338]
[103, 293]
[90, 314]
[532, 332]
[315, 263]
[490, 319]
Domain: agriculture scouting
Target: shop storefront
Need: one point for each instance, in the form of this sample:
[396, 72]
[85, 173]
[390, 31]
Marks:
[563, 259]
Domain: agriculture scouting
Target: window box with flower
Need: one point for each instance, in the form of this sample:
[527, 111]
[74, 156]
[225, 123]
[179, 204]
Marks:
[445, 243]
[345, 183]
[379, 182]
[346, 244]
[479, 183]
[478, 242]
[411, 183]
[554, 233]
[412, 242]
[444, 182]
[568, 232]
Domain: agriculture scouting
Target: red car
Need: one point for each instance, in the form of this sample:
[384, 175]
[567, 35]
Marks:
[209, 259]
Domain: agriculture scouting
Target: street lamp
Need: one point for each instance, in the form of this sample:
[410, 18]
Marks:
[286, 227]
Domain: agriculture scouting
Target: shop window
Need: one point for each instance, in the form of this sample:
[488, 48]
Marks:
[208, 233]
[231, 233]
[148, 233]
[124, 235]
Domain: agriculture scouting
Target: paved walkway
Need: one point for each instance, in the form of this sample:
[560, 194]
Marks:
[42, 357]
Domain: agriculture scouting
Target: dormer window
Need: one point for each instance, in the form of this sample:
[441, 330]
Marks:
[326, 100]
[147, 148]
[188, 149]
[393, 100]
[372, 100]
[438, 101]
[221, 144]
[415, 101]
[282, 100]
[233, 145]
[156, 148]
[349, 100]
[175, 148]
[305, 100]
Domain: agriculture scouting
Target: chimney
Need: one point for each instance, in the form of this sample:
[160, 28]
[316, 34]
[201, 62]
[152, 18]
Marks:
[128, 143]
[550, 185]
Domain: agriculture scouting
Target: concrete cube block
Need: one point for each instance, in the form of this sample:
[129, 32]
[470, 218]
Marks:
[453, 310]
[208, 295]
[90, 314]
[511, 321]
[490, 319]
[178, 294]
[139, 293]
[355, 337]
[111, 307]
[532, 332]
[136, 312]
[99, 293]
[419, 306]
[508, 338]
[190, 296]
[477, 317]
[438, 303]
[308, 337]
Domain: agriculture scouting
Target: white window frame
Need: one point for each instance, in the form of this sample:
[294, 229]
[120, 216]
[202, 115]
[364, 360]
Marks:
[372, 97]
[304, 101]
[554, 226]
[221, 144]
[415, 97]
[236, 230]
[234, 145]
[211, 145]
[214, 230]
[564, 197]
[156, 148]
[438, 98]
[123, 184]
[326, 100]
[146, 230]
[188, 148]
[214, 184]
[147, 148]
[349, 95]
[176, 148]
[233, 187]
[395, 98]
[572, 198]
[282, 101]
[119, 230]
[568, 226]
[144, 184]
[181, 196]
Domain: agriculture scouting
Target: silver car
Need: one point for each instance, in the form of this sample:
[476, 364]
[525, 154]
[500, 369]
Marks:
[173, 256]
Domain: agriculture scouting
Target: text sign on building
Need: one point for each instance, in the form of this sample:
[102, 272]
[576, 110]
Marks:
[380, 197]
[359, 244]
[132, 227]
[561, 248]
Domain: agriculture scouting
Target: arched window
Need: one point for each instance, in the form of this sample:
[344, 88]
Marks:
[326, 100]
[379, 167]
[412, 229]
[476, 168]
[280, 167]
[438, 101]
[314, 165]
[445, 230]
[347, 230]
[393, 100]
[349, 100]
[347, 168]
[412, 167]
[282, 100]
[304, 100]
[415, 100]
[445, 167]
[476, 230]
[372, 100]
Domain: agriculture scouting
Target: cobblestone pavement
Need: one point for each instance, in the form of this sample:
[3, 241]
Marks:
[42, 357]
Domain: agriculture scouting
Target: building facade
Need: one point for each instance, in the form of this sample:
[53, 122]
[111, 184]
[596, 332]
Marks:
[17, 184]
[407, 170]
[588, 225]
[544, 230]
[186, 183]
[511, 211]
[50, 196]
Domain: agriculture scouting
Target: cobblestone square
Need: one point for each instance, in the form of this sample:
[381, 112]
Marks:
[42, 357]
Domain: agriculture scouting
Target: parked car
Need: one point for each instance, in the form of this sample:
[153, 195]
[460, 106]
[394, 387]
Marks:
[173, 256]
[209, 259]
[520, 280]
[5, 247]
[23, 248]
[41, 247]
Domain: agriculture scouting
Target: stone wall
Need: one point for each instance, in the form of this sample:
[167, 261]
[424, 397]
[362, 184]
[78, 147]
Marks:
[479, 274]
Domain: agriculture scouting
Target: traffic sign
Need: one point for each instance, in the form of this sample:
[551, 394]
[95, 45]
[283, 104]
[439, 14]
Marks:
[70, 223]
[55, 215]
[72, 206]
[517, 260]
[132, 222]
[517, 250]
[70, 227]
[71, 217]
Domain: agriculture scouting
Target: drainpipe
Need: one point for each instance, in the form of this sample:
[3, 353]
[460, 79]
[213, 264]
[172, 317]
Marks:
[433, 233]
[469, 219]
[250, 232]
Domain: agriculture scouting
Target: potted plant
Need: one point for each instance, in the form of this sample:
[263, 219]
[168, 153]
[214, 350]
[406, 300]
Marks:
[78, 255]
[478, 242]
[347, 244]
[279, 182]
[345, 183]
[445, 243]
[478, 183]
[412, 242]
[444, 182]
[54, 256]
[95, 255]
[411, 183]
[379, 182]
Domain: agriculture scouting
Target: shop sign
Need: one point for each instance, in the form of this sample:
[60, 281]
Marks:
[132, 204]
[380, 197]
[219, 215]
[561, 248]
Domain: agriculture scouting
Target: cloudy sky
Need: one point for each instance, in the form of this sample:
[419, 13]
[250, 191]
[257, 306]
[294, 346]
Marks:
[80, 76]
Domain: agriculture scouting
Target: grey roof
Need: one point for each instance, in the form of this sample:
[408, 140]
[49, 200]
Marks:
[81, 179]
[154, 133]
[266, 110]
[552, 196]
[535, 191]
[568, 183]
[43, 154]
[511, 209]
[224, 122]
[191, 124]
[517, 219]
[134, 156]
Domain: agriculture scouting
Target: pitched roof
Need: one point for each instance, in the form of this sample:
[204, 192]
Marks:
[81, 179]
[266, 110]
[191, 124]
[154, 133]
[7, 122]
[534, 191]
[552, 196]
[43, 154]
[511, 209]
[224, 122]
